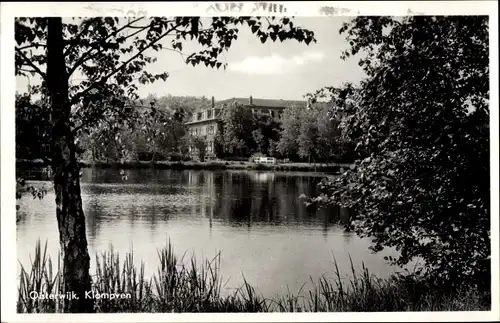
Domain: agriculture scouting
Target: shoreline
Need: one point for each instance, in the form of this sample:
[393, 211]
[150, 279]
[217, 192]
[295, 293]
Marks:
[335, 168]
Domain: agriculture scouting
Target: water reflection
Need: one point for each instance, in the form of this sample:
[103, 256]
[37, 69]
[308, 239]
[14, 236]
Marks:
[231, 198]
[266, 198]
[255, 219]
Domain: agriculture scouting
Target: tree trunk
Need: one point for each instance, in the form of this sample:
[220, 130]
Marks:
[69, 211]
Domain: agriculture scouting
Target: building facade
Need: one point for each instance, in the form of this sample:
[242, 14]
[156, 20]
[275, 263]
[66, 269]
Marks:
[205, 122]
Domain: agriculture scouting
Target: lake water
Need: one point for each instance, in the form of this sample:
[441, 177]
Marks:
[255, 219]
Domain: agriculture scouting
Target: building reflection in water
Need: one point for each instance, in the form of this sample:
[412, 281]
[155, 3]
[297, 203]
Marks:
[203, 182]
[234, 198]
[254, 198]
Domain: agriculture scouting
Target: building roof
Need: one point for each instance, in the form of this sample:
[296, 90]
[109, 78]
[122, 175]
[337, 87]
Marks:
[256, 102]
[271, 103]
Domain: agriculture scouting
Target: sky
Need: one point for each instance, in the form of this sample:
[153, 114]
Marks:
[273, 70]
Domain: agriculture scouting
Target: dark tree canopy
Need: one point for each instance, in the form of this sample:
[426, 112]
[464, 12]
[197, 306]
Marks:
[420, 124]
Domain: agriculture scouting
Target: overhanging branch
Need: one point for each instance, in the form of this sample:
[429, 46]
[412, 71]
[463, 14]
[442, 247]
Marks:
[30, 63]
[89, 55]
[33, 45]
[104, 79]
[26, 70]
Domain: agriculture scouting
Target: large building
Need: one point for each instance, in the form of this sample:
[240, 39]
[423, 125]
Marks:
[204, 122]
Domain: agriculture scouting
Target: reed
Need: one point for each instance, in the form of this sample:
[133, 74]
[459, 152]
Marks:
[179, 287]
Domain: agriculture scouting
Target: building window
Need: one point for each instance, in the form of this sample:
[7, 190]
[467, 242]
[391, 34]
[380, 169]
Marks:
[211, 130]
[199, 115]
[209, 114]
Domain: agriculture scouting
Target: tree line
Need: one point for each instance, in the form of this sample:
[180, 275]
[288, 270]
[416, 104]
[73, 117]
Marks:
[159, 132]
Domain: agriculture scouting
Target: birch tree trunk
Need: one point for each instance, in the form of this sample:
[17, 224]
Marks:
[70, 217]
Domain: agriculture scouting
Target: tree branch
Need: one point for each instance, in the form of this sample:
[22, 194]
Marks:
[83, 124]
[176, 51]
[24, 70]
[139, 27]
[85, 58]
[32, 45]
[30, 63]
[93, 117]
[105, 78]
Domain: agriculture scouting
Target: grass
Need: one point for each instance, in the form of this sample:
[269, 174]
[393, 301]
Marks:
[176, 287]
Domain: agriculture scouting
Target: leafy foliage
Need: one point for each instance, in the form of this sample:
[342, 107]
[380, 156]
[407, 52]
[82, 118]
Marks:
[237, 128]
[311, 134]
[156, 134]
[198, 143]
[32, 128]
[420, 124]
[243, 132]
[266, 132]
[290, 123]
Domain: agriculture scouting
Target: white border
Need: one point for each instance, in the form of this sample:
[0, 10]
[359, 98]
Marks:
[394, 8]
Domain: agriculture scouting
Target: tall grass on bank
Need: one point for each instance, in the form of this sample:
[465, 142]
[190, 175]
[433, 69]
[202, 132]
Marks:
[176, 287]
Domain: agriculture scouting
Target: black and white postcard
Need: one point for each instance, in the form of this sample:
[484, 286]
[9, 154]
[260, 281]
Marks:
[249, 161]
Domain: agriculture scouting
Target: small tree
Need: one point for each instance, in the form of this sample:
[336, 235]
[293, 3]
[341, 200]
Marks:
[290, 123]
[237, 127]
[307, 140]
